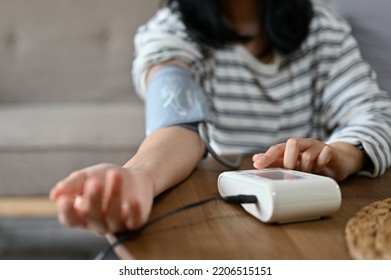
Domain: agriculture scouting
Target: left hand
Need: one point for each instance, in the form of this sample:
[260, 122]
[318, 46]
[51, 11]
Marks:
[104, 198]
[338, 160]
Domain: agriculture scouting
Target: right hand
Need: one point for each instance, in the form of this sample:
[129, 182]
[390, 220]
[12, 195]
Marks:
[337, 160]
[104, 198]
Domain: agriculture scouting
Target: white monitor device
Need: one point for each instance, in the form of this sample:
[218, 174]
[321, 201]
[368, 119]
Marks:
[283, 195]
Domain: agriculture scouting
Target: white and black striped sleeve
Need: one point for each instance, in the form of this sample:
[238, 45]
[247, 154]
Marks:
[161, 39]
[355, 109]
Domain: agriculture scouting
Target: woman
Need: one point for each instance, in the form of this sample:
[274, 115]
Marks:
[281, 77]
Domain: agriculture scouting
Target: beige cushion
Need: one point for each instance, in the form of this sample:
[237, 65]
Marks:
[40, 145]
[64, 126]
[68, 50]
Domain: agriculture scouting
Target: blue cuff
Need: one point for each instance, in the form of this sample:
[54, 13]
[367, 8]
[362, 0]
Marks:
[175, 98]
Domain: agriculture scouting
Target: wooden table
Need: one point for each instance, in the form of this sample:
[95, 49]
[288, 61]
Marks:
[27, 207]
[224, 231]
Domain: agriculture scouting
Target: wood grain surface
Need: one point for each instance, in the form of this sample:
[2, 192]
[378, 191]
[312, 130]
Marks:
[223, 231]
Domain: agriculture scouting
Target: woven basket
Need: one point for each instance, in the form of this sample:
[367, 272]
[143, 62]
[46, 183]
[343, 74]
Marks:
[368, 233]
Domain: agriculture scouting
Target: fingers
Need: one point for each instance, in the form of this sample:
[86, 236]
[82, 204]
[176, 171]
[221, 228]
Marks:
[72, 185]
[131, 211]
[67, 214]
[112, 202]
[307, 160]
[126, 206]
[101, 203]
[307, 155]
[137, 203]
[273, 154]
[325, 156]
[91, 206]
[108, 200]
[315, 158]
[84, 202]
[295, 149]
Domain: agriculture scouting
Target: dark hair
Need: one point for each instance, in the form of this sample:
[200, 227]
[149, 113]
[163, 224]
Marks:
[285, 22]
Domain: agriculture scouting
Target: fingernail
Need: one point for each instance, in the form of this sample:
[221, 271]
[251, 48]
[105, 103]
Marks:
[257, 165]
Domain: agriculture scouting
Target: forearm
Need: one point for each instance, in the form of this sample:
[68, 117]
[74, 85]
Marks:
[168, 156]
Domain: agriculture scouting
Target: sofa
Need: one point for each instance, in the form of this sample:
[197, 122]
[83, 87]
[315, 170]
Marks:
[66, 102]
[66, 98]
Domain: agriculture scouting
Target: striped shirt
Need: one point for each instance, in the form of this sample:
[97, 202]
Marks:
[324, 90]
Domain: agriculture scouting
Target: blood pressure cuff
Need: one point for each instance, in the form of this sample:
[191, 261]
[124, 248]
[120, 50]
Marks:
[175, 98]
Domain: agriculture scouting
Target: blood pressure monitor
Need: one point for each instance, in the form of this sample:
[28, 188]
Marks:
[283, 195]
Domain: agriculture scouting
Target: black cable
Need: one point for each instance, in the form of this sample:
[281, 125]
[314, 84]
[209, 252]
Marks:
[202, 130]
[123, 237]
[241, 199]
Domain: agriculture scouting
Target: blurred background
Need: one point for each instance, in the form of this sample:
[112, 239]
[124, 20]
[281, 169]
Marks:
[66, 102]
